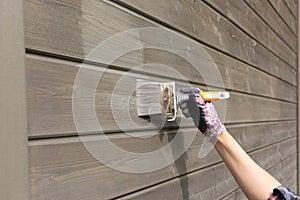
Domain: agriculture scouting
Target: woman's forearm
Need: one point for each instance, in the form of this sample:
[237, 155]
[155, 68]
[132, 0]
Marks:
[256, 183]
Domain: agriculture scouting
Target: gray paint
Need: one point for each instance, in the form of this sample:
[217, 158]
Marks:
[13, 142]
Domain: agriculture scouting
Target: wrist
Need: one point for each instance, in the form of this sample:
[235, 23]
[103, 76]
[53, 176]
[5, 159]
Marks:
[213, 133]
[223, 137]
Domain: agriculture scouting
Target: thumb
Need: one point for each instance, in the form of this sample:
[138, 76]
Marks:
[190, 90]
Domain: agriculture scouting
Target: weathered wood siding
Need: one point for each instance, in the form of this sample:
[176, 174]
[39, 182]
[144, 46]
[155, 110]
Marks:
[252, 42]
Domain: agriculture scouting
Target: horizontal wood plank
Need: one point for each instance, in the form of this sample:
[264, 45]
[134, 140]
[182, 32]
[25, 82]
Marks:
[236, 195]
[261, 77]
[192, 186]
[286, 172]
[250, 22]
[218, 31]
[94, 21]
[285, 13]
[50, 85]
[62, 168]
[269, 15]
[292, 5]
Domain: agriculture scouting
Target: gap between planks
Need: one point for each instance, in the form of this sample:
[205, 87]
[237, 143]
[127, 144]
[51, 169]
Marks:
[211, 46]
[161, 22]
[201, 169]
[34, 54]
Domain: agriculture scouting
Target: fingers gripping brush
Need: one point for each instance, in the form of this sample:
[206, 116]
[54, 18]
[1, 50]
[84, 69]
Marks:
[155, 98]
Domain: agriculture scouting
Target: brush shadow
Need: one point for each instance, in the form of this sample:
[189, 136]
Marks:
[180, 163]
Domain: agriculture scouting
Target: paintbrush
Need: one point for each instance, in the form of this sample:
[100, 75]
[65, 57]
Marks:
[155, 98]
[206, 96]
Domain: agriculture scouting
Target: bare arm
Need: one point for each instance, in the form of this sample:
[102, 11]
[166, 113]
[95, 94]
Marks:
[256, 183]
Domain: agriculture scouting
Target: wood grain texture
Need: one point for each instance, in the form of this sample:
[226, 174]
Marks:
[293, 6]
[13, 124]
[236, 195]
[247, 19]
[203, 23]
[298, 92]
[50, 85]
[269, 15]
[258, 70]
[62, 168]
[286, 172]
[94, 21]
[196, 188]
[285, 13]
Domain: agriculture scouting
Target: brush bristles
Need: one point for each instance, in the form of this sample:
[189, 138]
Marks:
[156, 98]
[148, 98]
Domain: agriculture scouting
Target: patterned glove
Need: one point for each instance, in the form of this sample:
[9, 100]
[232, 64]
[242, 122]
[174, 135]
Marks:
[283, 193]
[203, 113]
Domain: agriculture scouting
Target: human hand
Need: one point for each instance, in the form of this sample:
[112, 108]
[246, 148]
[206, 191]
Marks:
[203, 113]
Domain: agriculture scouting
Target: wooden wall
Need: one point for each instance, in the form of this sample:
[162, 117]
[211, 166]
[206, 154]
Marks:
[252, 42]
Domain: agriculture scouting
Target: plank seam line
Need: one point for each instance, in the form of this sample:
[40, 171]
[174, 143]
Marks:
[167, 180]
[269, 145]
[192, 172]
[136, 72]
[163, 24]
[259, 95]
[48, 55]
[249, 35]
[230, 21]
[245, 1]
[269, 25]
[282, 18]
[37, 53]
[259, 122]
[228, 194]
[88, 134]
[290, 10]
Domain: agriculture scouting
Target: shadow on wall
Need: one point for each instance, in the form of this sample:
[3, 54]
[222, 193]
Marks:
[180, 163]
